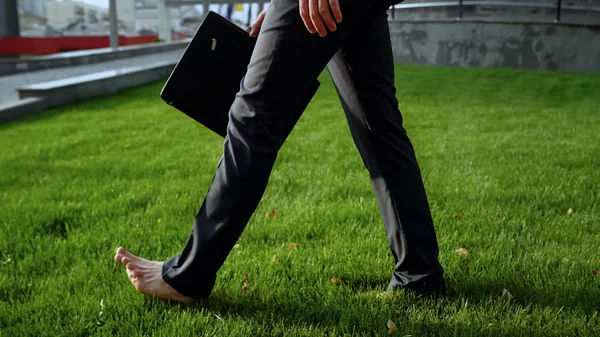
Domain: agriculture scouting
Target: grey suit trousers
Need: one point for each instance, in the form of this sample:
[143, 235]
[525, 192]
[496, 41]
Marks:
[285, 62]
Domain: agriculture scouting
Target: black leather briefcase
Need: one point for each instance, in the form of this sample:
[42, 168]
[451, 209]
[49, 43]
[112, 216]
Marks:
[206, 79]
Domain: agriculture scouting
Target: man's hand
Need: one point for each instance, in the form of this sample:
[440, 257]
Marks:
[258, 23]
[317, 14]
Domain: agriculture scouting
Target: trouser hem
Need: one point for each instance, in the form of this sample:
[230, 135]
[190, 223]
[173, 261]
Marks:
[197, 287]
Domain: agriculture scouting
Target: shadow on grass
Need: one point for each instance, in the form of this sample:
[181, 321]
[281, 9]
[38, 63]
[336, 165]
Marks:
[586, 300]
[362, 311]
[350, 316]
[480, 291]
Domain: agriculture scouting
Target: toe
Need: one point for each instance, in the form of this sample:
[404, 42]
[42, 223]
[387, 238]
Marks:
[137, 273]
[127, 254]
[140, 286]
[119, 258]
[134, 275]
[130, 266]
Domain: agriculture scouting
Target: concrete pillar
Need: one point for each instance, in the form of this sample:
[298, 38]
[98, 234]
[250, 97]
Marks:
[114, 25]
[9, 18]
[164, 21]
[249, 23]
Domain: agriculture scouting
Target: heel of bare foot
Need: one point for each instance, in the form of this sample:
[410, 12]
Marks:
[146, 277]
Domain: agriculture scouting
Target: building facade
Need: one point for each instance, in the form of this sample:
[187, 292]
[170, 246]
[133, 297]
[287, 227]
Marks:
[78, 18]
[147, 17]
[126, 14]
[31, 8]
[62, 14]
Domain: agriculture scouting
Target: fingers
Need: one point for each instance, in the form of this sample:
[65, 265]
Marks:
[258, 24]
[325, 13]
[337, 11]
[315, 18]
[317, 15]
[305, 15]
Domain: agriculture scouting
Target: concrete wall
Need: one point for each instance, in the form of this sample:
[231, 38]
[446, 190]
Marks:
[580, 12]
[489, 44]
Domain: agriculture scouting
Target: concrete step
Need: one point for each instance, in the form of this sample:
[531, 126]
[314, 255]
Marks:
[83, 57]
[38, 97]
[19, 109]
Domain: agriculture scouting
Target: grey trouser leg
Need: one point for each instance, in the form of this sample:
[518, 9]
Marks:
[286, 61]
[363, 73]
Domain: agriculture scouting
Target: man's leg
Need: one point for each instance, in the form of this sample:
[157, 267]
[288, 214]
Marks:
[363, 72]
[286, 61]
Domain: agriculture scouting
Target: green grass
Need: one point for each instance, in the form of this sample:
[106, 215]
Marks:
[504, 155]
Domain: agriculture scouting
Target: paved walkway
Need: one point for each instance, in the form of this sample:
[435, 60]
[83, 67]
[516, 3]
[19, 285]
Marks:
[9, 84]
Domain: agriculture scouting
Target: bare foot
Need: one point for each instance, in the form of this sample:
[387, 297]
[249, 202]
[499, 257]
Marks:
[146, 277]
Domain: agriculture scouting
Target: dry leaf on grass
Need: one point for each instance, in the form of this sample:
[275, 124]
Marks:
[272, 214]
[274, 258]
[336, 281]
[570, 212]
[459, 215]
[594, 271]
[293, 245]
[462, 252]
[497, 220]
[245, 285]
[391, 327]
[506, 295]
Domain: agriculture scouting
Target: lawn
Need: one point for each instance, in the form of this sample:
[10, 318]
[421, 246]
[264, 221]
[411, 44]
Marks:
[511, 163]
